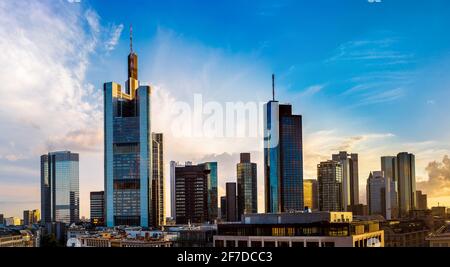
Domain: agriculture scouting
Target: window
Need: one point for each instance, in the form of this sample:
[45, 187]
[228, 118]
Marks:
[219, 243]
[256, 244]
[300, 244]
[269, 244]
[231, 244]
[312, 244]
[242, 244]
[283, 244]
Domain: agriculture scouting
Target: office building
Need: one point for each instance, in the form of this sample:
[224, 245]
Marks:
[329, 177]
[2, 219]
[406, 183]
[157, 214]
[390, 170]
[223, 208]
[212, 180]
[283, 158]
[350, 178]
[60, 188]
[438, 211]
[380, 195]
[247, 190]
[173, 165]
[440, 238]
[31, 217]
[98, 208]
[421, 200]
[317, 229]
[405, 233]
[12, 221]
[311, 194]
[231, 202]
[128, 150]
[191, 193]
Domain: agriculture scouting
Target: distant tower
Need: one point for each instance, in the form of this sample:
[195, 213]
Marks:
[283, 157]
[247, 190]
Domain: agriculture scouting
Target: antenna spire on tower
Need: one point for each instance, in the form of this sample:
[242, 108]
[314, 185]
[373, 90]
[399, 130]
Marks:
[131, 38]
[273, 87]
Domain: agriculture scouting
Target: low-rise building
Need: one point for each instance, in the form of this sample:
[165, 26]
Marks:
[441, 238]
[408, 233]
[317, 229]
[15, 238]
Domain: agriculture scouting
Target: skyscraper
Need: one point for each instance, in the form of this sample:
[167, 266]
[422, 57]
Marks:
[247, 190]
[350, 178]
[223, 208]
[97, 207]
[31, 217]
[283, 158]
[60, 189]
[213, 207]
[157, 214]
[191, 194]
[128, 150]
[329, 177]
[173, 212]
[389, 168]
[421, 200]
[376, 190]
[311, 194]
[406, 171]
[231, 197]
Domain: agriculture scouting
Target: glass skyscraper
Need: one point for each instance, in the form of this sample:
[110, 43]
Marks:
[158, 208]
[60, 188]
[213, 207]
[128, 150]
[283, 159]
[350, 178]
[246, 186]
[406, 170]
[329, 177]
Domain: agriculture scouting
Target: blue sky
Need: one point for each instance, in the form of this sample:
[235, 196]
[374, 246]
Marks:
[370, 78]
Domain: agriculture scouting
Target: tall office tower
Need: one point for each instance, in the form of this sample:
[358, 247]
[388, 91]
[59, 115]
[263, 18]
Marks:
[376, 189]
[223, 208]
[247, 186]
[97, 208]
[389, 168]
[173, 212]
[311, 194]
[31, 217]
[350, 178]
[329, 177]
[191, 194]
[2, 219]
[421, 199]
[128, 150]
[231, 196]
[60, 188]
[157, 214]
[406, 170]
[283, 158]
[213, 207]
[27, 217]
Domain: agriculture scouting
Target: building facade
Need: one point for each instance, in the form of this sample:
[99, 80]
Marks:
[311, 194]
[390, 170]
[191, 194]
[283, 158]
[247, 190]
[350, 178]
[31, 217]
[60, 188]
[157, 215]
[173, 201]
[329, 174]
[322, 229]
[128, 150]
[212, 180]
[231, 202]
[421, 199]
[97, 205]
[406, 183]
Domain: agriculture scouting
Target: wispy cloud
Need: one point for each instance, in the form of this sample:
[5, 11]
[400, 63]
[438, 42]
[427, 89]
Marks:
[116, 31]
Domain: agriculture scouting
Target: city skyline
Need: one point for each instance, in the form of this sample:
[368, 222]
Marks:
[365, 109]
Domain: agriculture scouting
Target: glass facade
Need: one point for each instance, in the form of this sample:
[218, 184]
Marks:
[311, 194]
[213, 208]
[329, 176]
[128, 151]
[283, 158]
[247, 186]
[406, 183]
[60, 193]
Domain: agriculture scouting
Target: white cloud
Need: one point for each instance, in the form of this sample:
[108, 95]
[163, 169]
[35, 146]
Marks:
[116, 31]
